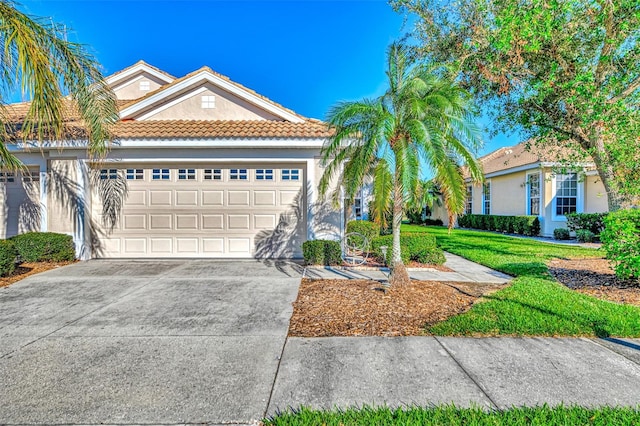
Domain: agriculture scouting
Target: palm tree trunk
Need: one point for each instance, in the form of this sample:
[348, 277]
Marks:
[399, 275]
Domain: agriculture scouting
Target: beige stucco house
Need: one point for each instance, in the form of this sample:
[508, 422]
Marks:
[521, 181]
[212, 169]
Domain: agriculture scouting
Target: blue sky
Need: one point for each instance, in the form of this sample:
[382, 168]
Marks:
[304, 54]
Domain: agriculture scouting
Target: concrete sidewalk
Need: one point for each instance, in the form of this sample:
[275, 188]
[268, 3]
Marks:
[463, 271]
[496, 373]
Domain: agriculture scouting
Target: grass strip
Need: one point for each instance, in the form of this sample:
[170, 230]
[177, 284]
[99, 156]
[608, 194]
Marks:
[451, 415]
[534, 304]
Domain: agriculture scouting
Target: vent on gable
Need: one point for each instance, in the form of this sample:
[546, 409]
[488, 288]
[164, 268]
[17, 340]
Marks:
[508, 151]
[208, 102]
[145, 85]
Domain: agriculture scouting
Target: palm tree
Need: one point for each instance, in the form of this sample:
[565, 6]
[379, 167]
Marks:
[62, 80]
[422, 120]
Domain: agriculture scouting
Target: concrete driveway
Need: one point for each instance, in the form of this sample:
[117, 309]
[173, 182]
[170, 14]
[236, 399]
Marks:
[144, 342]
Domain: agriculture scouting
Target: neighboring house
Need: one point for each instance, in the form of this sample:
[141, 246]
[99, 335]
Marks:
[213, 169]
[523, 182]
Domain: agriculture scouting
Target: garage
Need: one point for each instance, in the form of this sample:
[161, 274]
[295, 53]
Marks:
[206, 210]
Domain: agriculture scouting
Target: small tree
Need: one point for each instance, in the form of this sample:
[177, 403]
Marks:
[422, 120]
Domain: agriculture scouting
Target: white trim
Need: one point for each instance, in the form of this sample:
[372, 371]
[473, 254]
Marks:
[203, 160]
[528, 193]
[206, 76]
[172, 103]
[80, 235]
[538, 165]
[311, 197]
[127, 83]
[554, 198]
[44, 197]
[113, 79]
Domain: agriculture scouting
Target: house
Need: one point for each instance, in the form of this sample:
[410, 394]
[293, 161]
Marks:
[522, 181]
[212, 169]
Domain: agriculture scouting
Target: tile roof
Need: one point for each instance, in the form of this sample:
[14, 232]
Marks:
[227, 129]
[523, 154]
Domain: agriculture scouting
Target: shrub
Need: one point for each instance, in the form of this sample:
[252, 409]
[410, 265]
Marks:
[369, 229]
[419, 247]
[561, 234]
[322, 252]
[8, 255]
[585, 236]
[433, 222]
[593, 222]
[525, 225]
[621, 241]
[415, 216]
[44, 247]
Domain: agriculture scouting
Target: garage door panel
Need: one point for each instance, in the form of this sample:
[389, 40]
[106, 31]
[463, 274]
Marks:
[159, 246]
[160, 221]
[238, 198]
[264, 198]
[212, 221]
[186, 198]
[187, 222]
[207, 218]
[212, 198]
[160, 198]
[134, 222]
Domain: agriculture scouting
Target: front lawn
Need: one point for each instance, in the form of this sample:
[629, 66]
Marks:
[450, 415]
[535, 304]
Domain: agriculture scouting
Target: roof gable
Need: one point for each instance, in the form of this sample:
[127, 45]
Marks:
[136, 81]
[196, 83]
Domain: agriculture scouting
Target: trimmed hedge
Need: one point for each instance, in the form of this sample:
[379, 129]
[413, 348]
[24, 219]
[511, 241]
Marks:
[8, 255]
[593, 222]
[322, 252]
[44, 247]
[419, 247]
[369, 229]
[525, 225]
[621, 241]
[561, 234]
[585, 236]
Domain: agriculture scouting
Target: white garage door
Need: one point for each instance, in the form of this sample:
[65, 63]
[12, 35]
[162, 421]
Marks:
[20, 202]
[230, 210]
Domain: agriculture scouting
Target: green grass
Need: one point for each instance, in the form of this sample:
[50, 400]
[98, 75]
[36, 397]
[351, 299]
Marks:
[451, 415]
[534, 304]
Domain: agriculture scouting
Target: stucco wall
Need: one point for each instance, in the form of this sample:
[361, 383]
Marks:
[62, 196]
[595, 200]
[131, 88]
[326, 220]
[227, 107]
[508, 194]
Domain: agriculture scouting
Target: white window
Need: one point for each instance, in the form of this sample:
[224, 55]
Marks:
[469, 203]
[145, 85]
[212, 174]
[135, 174]
[238, 174]
[290, 174]
[357, 208]
[486, 198]
[31, 177]
[566, 199]
[6, 177]
[108, 174]
[264, 174]
[208, 102]
[533, 194]
[160, 174]
[186, 174]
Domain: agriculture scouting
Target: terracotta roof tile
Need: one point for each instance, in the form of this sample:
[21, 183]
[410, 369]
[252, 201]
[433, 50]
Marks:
[195, 129]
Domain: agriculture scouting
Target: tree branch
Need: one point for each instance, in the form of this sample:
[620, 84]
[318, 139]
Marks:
[635, 84]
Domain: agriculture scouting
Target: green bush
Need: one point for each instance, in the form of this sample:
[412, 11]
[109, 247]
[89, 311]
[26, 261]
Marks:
[44, 247]
[419, 247]
[593, 222]
[369, 229]
[585, 236]
[525, 225]
[621, 241]
[433, 222]
[322, 252]
[561, 234]
[8, 255]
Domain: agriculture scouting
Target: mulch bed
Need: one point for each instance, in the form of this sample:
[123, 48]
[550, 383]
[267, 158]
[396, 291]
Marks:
[595, 278]
[363, 308]
[29, 268]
